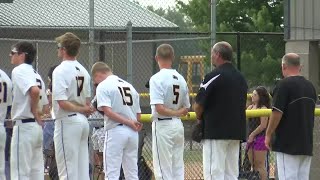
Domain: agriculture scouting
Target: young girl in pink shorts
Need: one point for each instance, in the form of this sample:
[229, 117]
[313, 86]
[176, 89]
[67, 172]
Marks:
[257, 150]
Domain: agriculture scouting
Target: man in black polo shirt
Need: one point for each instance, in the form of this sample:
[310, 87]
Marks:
[292, 121]
[220, 106]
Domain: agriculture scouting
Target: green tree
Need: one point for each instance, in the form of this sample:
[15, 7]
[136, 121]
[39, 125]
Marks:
[236, 15]
[260, 54]
[174, 15]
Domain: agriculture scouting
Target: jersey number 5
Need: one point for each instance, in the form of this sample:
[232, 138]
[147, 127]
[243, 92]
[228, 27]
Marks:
[3, 92]
[126, 96]
[80, 80]
[39, 86]
[176, 93]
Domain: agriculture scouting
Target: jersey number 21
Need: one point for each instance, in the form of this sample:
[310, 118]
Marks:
[3, 92]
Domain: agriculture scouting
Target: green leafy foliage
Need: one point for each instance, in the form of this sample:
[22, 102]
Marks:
[174, 15]
[260, 53]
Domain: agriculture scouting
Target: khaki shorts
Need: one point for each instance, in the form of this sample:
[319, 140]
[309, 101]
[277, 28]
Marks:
[98, 139]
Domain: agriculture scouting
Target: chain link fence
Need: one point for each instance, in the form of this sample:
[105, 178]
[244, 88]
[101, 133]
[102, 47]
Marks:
[125, 35]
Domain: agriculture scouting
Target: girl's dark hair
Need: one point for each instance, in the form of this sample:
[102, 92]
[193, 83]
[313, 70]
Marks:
[264, 97]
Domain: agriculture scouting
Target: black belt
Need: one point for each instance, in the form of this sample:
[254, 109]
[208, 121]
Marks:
[98, 127]
[28, 120]
[72, 115]
[161, 119]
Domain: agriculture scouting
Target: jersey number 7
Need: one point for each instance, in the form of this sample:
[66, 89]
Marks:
[3, 92]
[80, 80]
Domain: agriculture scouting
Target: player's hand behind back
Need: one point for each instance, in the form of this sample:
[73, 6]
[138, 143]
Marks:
[135, 125]
[140, 125]
[87, 110]
[182, 112]
[39, 121]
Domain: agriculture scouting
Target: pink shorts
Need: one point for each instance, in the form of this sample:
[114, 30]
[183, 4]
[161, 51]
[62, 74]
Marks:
[257, 144]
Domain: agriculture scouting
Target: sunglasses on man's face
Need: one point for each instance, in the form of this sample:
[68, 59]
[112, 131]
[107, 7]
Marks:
[59, 46]
[16, 52]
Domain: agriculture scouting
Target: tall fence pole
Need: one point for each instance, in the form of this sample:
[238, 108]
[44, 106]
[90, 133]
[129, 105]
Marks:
[286, 19]
[213, 25]
[91, 33]
[238, 51]
[129, 52]
[37, 57]
[91, 44]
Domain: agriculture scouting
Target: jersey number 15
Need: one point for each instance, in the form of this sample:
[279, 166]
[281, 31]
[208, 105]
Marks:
[126, 96]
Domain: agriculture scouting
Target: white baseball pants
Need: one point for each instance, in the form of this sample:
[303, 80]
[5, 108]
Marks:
[293, 167]
[3, 136]
[121, 146]
[26, 152]
[71, 147]
[167, 149]
[220, 159]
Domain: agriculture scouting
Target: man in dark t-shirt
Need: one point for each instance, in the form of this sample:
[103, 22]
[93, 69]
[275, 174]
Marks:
[220, 106]
[292, 121]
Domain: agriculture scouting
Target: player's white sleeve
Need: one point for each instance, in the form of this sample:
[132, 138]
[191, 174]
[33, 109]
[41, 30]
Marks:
[136, 104]
[59, 85]
[25, 79]
[88, 87]
[103, 97]
[44, 98]
[186, 102]
[156, 92]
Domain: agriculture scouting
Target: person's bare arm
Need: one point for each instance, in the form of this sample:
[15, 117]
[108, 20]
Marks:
[259, 129]
[88, 101]
[45, 109]
[34, 93]
[73, 107]
[273, 124]
[198, 109]
[262, 126]
[139, 117]
[139, 120]
[162, 110]
[249, 107]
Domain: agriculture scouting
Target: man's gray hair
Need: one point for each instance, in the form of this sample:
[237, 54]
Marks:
[291, 59]
[224, 49]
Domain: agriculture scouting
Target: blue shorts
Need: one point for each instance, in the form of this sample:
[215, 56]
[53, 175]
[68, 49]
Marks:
[48, 131]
